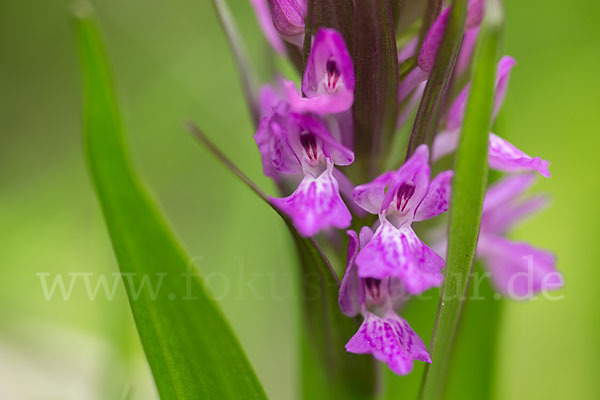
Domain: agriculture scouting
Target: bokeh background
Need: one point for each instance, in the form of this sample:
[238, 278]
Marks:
[171, 63]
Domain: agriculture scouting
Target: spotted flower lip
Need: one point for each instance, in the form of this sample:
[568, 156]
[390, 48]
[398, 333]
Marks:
[399, 198]
[328, 82]
[390, 339]
[316, 204]
[384, 334]
[502, 155]
[356, 293]
[291, 143]
[300, 144]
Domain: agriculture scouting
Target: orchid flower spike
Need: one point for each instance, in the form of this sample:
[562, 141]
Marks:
[399, 198]
[502, 155]
[383, 333]
[328, 82]
[297, 144]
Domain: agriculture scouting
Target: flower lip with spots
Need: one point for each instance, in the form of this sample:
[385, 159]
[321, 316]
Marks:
[399, 198]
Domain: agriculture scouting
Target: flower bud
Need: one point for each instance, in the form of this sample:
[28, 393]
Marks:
[288, 18]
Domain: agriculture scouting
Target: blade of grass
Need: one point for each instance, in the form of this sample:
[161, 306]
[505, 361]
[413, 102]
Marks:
[242, 61]
[472, 363]
[327, 369]
[190, 348]
[466, 203]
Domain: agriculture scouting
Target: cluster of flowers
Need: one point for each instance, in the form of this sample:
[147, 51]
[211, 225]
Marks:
[304, 136]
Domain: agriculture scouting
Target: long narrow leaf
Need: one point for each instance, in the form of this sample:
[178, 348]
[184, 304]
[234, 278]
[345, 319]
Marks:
[242, 61]
[328, 370]
[428, 116]
[191, 349]
[472, 364]
[466, 203]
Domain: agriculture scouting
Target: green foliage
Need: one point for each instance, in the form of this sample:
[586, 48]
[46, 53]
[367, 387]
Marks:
[328, 371]
[467, 202]
[191, 349]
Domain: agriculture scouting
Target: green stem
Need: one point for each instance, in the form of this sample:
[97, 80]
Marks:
[466, 203]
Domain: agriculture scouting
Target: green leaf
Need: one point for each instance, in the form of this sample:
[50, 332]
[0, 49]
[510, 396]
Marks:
[472, 363]
[467, 201]
[376, 95]
[430, 109]
[191, 349]
[328, 371]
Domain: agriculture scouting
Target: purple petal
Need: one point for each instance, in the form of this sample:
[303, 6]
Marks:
[268, 98]
[434, 36]
[408, 185]
[433, 40]
[501, 208]
[288, 19]
[328, 51]
[263, 14]
[321, 104]
[315, 205]
[400, 253]
[370, 195]
[500, 219]
[437, 199]
[456, 112]
[506, 190]
[444, 143]
[328, 81]
[502, 75]
[504, 156]
[391, 340]
[331, 148]
[519, 270]
[466, 51]
[351, 296]
[407, 51]
[475, 13]
[412, 102]
[272, 140]
[411, 82]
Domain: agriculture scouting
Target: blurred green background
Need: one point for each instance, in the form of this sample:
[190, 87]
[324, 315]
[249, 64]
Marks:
[171, 63]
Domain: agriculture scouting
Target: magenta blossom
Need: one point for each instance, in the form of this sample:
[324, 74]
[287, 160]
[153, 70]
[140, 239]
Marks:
[517, 269]
[328, 82]
[383, 333]
[288, 19]
[395, 250]
[432, 43]
[294, 144]
[502, 155]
